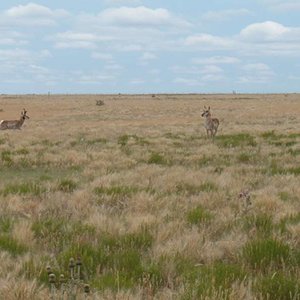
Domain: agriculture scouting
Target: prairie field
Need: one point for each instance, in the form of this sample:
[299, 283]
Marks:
[152, 207]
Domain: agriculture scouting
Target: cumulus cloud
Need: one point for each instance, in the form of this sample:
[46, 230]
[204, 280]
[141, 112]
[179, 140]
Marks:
[71, 39]
[270, 38]
[257, 73]
[283, 5]
[206, 42]
[140, 16]
[32, 14]
[266, 31]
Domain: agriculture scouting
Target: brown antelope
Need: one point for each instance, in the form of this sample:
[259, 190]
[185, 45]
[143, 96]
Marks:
[211, 124]
[14, 124]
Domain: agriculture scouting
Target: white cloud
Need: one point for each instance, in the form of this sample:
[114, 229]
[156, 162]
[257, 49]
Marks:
[148, 56]
[224, 15]
[216, 60]
[270, 38]
[32, 14]
[266, 31]
[102, 56]
[257, 73]
[206, 42]
[140, 16]
[282, 5]
[70, 39]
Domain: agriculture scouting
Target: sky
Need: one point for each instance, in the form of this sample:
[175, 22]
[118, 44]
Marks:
[149, 46]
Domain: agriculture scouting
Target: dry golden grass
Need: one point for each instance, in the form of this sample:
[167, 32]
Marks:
[141, 169]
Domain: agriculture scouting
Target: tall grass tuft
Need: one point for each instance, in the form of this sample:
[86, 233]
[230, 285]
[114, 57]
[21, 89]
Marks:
[267, 253]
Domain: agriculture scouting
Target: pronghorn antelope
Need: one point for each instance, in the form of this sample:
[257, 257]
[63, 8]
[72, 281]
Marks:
[14, 124]
[211, 124]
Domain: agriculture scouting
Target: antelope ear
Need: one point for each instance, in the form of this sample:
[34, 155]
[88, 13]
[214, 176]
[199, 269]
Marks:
[209, 108]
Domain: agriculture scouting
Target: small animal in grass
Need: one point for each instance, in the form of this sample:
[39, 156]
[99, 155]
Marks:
[211, 124]
[14, 124]
[245, 197]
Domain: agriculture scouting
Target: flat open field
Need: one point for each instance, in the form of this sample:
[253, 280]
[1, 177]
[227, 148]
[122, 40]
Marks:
[149, 203]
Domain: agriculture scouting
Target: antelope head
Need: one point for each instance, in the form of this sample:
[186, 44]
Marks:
[206, 112]
[24, 114]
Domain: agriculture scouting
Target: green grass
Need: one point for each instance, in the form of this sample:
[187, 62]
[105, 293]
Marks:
[192, 189]
[116, 190]
[261, 223]
[12, 246]
[278, 286]
[236, 140]
[120, 259]
[262, 254]
[157, 158]
[198, 216]
[67, 185]
[6, 224]
[25, 188]
[203, 281]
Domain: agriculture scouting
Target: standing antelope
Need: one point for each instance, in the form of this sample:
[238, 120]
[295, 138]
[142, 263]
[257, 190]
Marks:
[14, 124]
[211, 124]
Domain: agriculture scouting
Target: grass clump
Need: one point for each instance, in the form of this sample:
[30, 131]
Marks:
[67, 185]
[236, 140]
[56, 233]
[157, 158]
[278, 286]
[116, 190]
[6, 224]
[6, 157]
[191, 189]
[289, 220]
[263, 254]
[262, 224]
[12, 246]
[198, 216]
[205, 281]
[26, 188]
[119, 257]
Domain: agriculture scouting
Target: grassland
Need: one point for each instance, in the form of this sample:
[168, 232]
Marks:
[150, 204]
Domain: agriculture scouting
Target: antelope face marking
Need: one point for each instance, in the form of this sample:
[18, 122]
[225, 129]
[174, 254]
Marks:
[24, 114]
[205, 113]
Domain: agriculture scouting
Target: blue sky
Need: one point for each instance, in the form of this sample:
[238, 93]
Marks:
[149, 46]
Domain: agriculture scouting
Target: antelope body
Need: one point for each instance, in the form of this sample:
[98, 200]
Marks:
[211, 124]
[14, 124]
